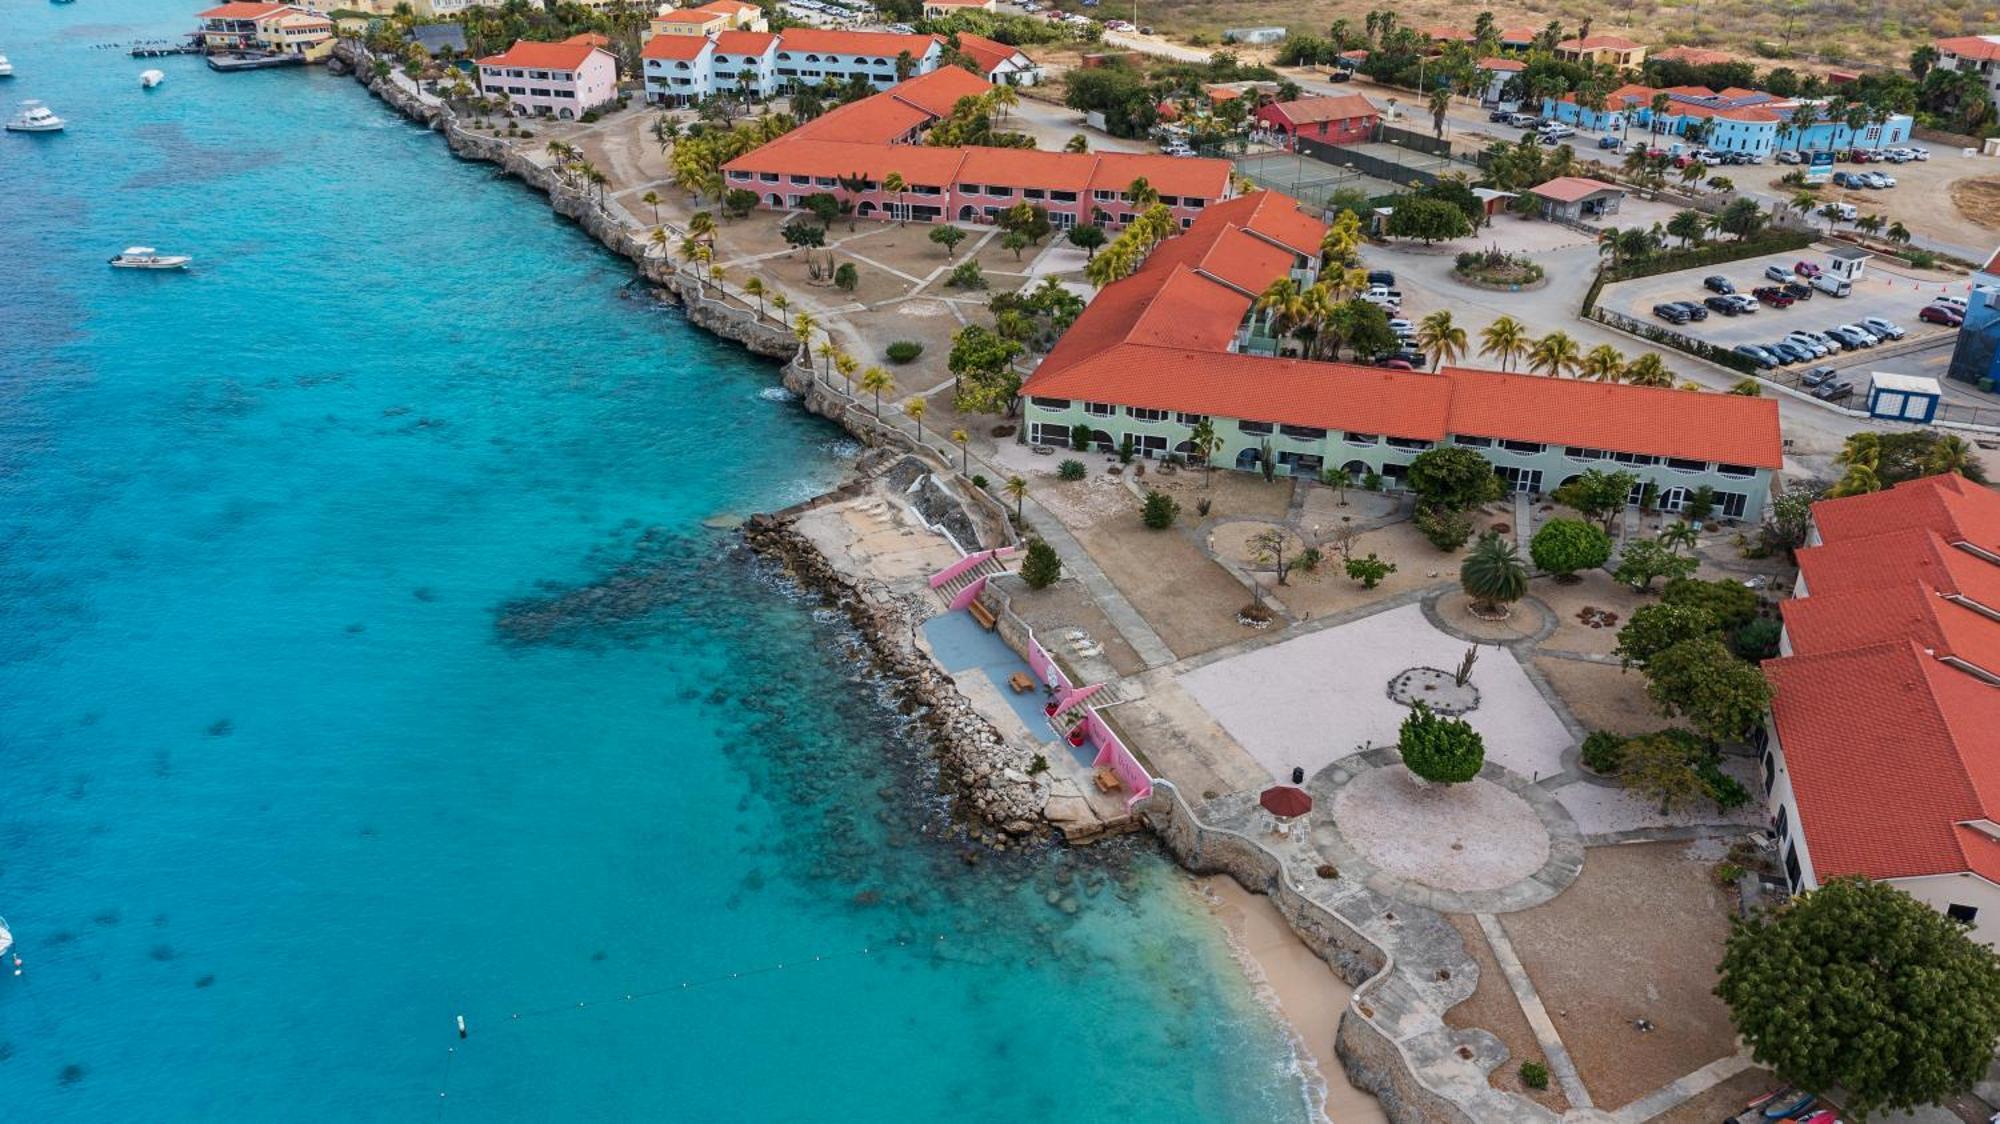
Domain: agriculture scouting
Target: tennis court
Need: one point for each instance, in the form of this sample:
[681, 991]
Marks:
[1303, 178]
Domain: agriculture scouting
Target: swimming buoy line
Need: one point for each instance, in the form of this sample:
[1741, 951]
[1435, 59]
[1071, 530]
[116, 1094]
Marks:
[684, 986]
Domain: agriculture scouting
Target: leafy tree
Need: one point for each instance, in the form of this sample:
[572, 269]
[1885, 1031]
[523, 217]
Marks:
[1440, 749]
[1267, 547]
[1731, 603]
[1369, 571]
[1493, 574]
[1446, 528]
[947, 236]
[1012, 240]
[846, 277]
[1432, 220]
[1647, 559]
[822, 205]
[1159, 511]
[1652, 629]
[1598, 494]
[1859, 986]
[1454, 478]
[1087, 238]
[1721, 696]
[981, 363]
[803, 233]
[968, 275]
[1661, 768]
[1042, 567]
[1027, 219]
[1564, 546]
[1079, 439]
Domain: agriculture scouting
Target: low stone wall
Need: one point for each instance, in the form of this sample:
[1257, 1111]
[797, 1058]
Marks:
[1370, 1056]
[1939, 136]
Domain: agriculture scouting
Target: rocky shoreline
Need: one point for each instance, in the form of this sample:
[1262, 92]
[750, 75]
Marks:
[999, 801]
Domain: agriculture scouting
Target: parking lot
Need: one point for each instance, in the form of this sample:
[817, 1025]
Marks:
[1896, 298]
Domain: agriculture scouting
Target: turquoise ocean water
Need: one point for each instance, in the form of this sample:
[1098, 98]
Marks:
[365, 661]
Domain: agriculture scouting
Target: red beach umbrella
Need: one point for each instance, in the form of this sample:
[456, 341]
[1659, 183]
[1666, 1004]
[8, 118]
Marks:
[1286, 802]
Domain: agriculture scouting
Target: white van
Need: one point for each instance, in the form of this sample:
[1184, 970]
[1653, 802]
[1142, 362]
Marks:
[1831, 285]
[1556, 130]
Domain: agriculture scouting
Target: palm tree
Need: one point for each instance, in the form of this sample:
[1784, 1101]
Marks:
[963, 440]
[847, 365]
[1897, 233]
[701, 225]
[1077, 143]
[1686, 226]
[659, 239]
[1141, 193]
[1506, 339]
[915, 409]
[894, 184]
[652, 199]
[1831, 213]
[1003, 98]
[1016, 489]
[1604, 363]
[753, 286]
[802, 328]
[781, 302]
[1441, 339]
[1680, 534]
[1206, 444]
[1493, 574]
[876, 380]
[829, 351]
[1952, 454]
[1554, 354]
[1860, 480]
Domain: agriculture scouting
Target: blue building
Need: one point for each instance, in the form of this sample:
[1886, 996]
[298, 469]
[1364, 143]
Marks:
[1976, 357]
[1752, 122]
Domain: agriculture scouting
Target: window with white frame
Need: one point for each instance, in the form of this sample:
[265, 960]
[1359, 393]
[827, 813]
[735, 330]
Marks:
[1141, 413]
[1099, 409]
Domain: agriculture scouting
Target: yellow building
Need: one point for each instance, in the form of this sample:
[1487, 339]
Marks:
[710, 18]
[1614, 50]
[276, 28]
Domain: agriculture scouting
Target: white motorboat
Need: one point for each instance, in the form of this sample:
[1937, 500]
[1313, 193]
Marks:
[146, 257]
[34, 118]
[152, 78]
[6, 68]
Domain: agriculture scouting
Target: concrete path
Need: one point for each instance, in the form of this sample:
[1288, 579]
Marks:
[1544, 1027]
[1078, 564]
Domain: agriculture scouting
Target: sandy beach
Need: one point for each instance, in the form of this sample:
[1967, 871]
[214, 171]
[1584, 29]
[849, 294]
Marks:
[1305, 991]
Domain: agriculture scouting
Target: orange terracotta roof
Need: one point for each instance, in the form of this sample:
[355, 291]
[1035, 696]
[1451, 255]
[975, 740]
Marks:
[689, 15]
[1978, 48]
[242, 11]
[937, 92]
[811, 156]
[743, 42]
[1306, 111]
[1189, 311]
[1725, 428]
[1570, 189]
[1835, 622]
[679, 47]
[1843, 717]
[1915, 554]
[1630, 91]
[1272, 216]
[1227, 253]
[1023, 167]
[590, 39]
[542, 56]
[874, 44]
[1732, 113]
[1959, 510]
[1445, 32]
[1519, 34]
[728, 8]
[988, 53]
[1495, 62]
[1599, 43]
[1189, 177]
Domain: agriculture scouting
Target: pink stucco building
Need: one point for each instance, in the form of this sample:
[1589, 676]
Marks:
[551, 79]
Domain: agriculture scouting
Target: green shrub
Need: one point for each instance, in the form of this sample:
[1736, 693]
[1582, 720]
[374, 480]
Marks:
[1079, 437]
[1564, 546]
[1446, 529]
[1309, 560]
[1369, 571]
[1725, 790]
[846, 277]
[979, 481]
[1372, 481]
[1439, 749]
[968, 275]
[1070, 470]
[1921, 259]
[1535, 1075]
[1731, 603]
[1602, 752]
[1757, 640]
[1042, 567]
[1160, 510]
[1127, 448]
[904, 351]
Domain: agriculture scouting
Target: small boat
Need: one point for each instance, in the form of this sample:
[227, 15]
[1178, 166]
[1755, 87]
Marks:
[146, 257]
[6, 68]
[1785, 1108]
[6, 938]
[34, 118]
[152, 78]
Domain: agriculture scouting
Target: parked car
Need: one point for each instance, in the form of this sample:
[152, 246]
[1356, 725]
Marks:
[1882, 179]
[1724, 305]
[1807, 270]
[1694, 311]
[1396, 364]
[1829, 343]
[1744, 302]
[1338, 75]
[1816, 376]
[1851, 339]
[1832, 286]
[1788, 353]
[1919, 153]
[1779, 274]
[1849, 179]
[1939, 314]
[1717, 283]
[1763, 359]
[1956, 304]
[1813, 347]
[1798, 290]
[1671, 313]
[1556, 130]
[1401, 326]
[1787, 156]
[1887, 329]
[1871, 337]
[1833, 391]
[1502, 116]
[1381, 277]
[1607, 141]
[1773, 296]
